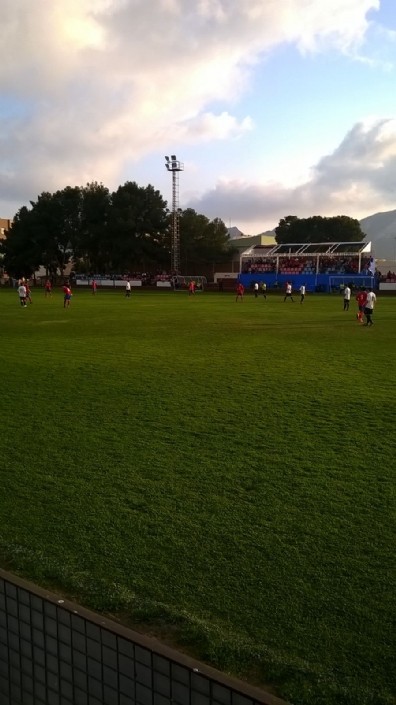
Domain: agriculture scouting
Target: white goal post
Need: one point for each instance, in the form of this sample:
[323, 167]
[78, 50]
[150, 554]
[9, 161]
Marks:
[358, 281]
[181, 282]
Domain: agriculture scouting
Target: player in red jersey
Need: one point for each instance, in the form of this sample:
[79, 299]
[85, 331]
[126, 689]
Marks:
[191, 288]
[67, 295]
[240, 290]
[28, 292]
[93, 286]
[48, 288]
[361, 299]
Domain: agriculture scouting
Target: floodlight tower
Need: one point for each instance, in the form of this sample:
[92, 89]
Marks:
[174, 166]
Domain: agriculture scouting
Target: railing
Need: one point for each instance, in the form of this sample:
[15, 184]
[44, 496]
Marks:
[53, 652]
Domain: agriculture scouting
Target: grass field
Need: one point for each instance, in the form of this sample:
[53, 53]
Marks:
[222, 471]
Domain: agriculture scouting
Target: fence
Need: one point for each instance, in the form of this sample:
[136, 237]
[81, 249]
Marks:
[53, 652]
[312, 282]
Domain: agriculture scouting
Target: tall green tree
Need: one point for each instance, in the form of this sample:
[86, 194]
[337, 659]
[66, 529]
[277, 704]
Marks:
[129, 229]
[60, 217]
[21, 249]
[340, 228]
[92, 247]
[138, 227]
[46, 234]
[202, 242]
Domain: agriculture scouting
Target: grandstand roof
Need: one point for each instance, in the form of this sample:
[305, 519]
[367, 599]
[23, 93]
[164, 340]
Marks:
[308, 248]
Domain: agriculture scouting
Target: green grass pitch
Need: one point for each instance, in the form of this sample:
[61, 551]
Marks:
[220, 472]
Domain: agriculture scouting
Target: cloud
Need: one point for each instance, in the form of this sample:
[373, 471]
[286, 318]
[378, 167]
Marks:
[95, 84]
[356, 179]
[209, 126]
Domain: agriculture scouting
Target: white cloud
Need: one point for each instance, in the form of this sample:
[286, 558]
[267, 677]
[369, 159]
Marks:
[98, 83]
[358, 178]
[209, 126]
[342, 23]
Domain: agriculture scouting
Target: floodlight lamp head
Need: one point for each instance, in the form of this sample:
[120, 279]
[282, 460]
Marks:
[173, 157]
[167, 159]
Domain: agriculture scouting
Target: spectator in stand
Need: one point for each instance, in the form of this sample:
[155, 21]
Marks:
[288, 294]
[369, 306]
[361, 302]
[240, 290]
[338, 265]
[347, 297]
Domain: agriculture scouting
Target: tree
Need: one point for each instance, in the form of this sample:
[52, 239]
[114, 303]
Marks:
[92, 247]
[46, 234]
[285, 231]
[59, 217]
[340, 228]
[21, 248]
[102, 232]
[138, 227]
[202, 242]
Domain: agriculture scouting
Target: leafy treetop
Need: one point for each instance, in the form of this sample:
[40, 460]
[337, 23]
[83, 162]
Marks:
[340, 228]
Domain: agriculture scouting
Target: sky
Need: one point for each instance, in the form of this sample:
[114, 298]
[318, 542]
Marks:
[274, 107]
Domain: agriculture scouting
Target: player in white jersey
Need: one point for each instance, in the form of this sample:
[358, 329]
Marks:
[22, 294]
[369, 307]
[347, 298]
[288, 294]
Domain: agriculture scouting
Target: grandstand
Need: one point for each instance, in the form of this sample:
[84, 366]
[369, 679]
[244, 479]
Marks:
[320, 266]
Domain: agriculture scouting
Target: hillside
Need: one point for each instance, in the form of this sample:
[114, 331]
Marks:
[380, 228]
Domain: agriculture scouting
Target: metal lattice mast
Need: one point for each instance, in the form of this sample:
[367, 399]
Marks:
[175, 249]
[173, 165]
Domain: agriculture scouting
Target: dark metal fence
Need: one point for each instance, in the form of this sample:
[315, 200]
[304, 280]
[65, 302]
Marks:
[53, 652]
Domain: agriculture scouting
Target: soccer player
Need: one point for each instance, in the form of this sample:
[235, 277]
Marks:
[48, 288]
[302, 293]
[128, 289]
[191, 288]
[240, 290]
[288, 294]
[256, 289]
[264, 290]
[369, 307]
[347, 298]
[94, 287]
[361, 302]
[22, 294]
[67, 295]
[28, 292]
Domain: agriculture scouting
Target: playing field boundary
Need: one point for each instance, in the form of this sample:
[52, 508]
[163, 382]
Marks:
[54, 652]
